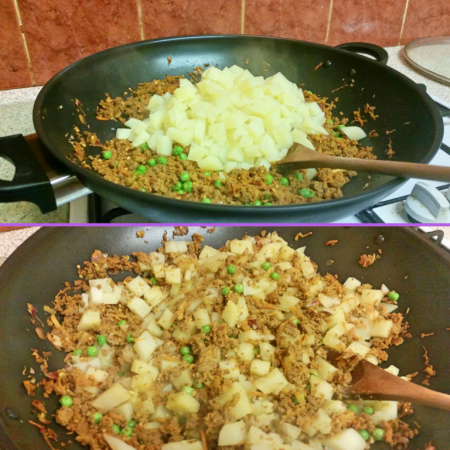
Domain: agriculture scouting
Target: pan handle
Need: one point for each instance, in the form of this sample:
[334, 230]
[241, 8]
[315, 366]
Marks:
[30, 182]
[379, 53]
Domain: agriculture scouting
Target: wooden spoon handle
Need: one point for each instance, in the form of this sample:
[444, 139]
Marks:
[378, 383]
[395, 168]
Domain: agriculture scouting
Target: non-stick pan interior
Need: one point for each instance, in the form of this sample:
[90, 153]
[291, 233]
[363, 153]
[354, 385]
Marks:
[409, 264]
[355, 80]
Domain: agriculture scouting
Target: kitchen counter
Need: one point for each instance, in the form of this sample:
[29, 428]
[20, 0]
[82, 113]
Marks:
[15, 117]
[10, 240]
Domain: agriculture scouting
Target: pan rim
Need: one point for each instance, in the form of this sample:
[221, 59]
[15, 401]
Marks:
[149, 198]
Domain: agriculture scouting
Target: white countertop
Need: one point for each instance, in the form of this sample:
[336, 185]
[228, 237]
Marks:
[15, 117]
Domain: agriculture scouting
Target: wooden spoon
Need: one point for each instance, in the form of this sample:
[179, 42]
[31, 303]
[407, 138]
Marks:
[370, 380]
[302, 157]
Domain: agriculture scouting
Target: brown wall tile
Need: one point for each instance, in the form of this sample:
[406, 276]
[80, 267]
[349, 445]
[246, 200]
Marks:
[293, 19]
[375, 21]
[426, 18]
[59, 32]
[14, 72]
[164, 18]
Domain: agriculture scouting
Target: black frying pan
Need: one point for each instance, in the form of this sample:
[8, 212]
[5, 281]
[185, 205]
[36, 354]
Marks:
[398, 100]
[411, 264]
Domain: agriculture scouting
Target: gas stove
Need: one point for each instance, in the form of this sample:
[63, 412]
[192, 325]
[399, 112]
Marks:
[390, 210]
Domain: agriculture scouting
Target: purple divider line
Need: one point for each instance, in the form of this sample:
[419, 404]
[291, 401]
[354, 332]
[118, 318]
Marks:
[265, 224]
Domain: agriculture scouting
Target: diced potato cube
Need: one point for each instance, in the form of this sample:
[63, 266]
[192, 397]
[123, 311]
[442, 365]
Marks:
[126, 409]
[289, 432]
[321, 421]
[201, 317]
[371, 297]
[89, 320]
[321, 388]
[352, 283]
[211, 163]
[382, 328]
[166, 319]
[142, 383]
[154, 296]
[287, 301]
[144, 346]
[333, 342]
[249, 336]
[358, 348]
[245, 351]
[173, 276]
[111, 398]
[231, 314]
[348, 439]
[273, 382]
[99, 375]
[229, 369]
[243, 309]
[95, 295]
[238, 247]
[116, 444]
[182, 403]
[183, 445]
[282, 136]
[267, 351]
[259, 368]
[242, 407]
[138, 286]
[325, 369]
[141, 367]
[139, 307]
[182, 380]
[232, 434]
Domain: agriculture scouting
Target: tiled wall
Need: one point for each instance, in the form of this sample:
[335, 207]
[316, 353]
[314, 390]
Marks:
[38, 38]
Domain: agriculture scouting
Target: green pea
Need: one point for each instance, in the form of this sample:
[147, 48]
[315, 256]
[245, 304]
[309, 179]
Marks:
[340, 127]
[187, 186]
[77, 352]
[239, 288]
[257, 203]
[177, 187]
[161, 160]
[107, 154]
[206, 200]
[177, 151]
[188, 358]
[309, 92]
[353, 408]
[306, 193]
[339, 138]
[66, 400]
[231, 269]
[142, 169]
[295, 400]
[256, 350]
[183, 157]
[116, 163]
[378, 434]
[268, 179]
[188, 390]
[207, 174]
[101, 339]
[274, 276]
[267, 204]
[294, 320]
[284, 181]
[122, 374]
[225, 290]
[185, 177]
[121, 322]
[116, 429]
[130, 339]
[144, 146]
[92, 351]
[97, 417]
[143, 189]
[336, 134]
[151, 162]
[364, 434]
[265, 265]
[299, 176]
[394, 296]
[218, 183]
[131, 424]
[206, 329]
[127, 432]
[185, 350]
[198, 385]
[182, 420]
[368, 410]
[330, 120]
[153, 280]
